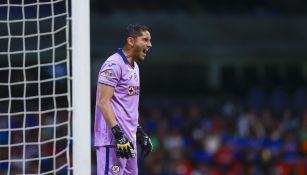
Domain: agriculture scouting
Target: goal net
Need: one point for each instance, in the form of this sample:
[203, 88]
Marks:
[36, 74]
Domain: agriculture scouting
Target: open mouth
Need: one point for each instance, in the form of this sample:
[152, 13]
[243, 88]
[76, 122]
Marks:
[145, 51]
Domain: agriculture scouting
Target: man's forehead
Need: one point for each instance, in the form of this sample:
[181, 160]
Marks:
[145, 34]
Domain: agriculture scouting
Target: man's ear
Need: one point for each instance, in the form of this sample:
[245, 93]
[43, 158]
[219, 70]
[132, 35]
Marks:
[130, 41]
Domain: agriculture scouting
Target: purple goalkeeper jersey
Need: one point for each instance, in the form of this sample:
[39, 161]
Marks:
[119, 74]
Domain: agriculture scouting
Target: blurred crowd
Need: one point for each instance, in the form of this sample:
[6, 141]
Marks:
[262, 134]
[30, 144]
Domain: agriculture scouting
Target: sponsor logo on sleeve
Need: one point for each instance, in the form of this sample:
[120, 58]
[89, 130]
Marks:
[111, 64]
[107, 73]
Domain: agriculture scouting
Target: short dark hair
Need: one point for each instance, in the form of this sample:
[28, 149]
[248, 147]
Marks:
[134, 30]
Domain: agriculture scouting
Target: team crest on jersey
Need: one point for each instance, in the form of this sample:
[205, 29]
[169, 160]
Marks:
[115, 168]
[133, 90]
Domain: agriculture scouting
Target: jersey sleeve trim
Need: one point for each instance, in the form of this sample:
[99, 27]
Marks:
[113, 85]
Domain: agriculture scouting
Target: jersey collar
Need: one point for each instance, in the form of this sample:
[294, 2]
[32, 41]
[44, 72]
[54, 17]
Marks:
[121, 53]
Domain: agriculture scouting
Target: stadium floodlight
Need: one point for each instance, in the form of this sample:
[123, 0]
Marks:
[44, 87]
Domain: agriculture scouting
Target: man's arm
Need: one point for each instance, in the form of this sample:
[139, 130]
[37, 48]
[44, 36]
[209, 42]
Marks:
[104, 104]
[124, 147]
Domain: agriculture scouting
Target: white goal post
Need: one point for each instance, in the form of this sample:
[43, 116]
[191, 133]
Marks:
[45, 117]
[81, 86]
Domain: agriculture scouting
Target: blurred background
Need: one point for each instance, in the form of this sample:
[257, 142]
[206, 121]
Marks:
[223, 89]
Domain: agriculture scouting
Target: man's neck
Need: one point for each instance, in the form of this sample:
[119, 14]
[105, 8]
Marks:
[128, 55]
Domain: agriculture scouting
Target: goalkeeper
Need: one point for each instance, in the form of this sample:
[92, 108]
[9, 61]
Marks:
[117, 131]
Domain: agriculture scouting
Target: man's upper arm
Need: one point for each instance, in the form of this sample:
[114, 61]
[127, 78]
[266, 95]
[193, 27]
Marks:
[105, 92]
[104, 103]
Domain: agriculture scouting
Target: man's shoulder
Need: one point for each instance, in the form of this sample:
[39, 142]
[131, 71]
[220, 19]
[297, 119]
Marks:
[115, 59]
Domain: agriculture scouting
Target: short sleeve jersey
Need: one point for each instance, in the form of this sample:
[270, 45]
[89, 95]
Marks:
[116, 72]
